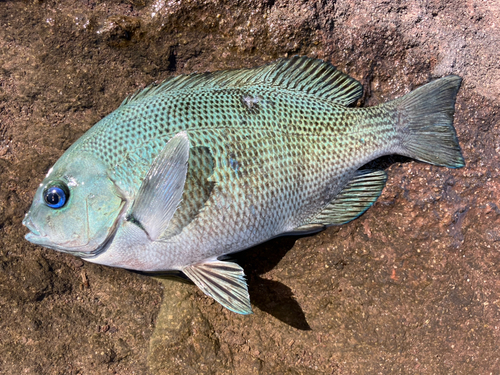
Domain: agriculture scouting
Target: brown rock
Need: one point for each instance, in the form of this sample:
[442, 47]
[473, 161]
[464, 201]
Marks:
[410, 287]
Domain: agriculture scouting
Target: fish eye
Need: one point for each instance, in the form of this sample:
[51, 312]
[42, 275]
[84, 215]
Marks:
[56, 194]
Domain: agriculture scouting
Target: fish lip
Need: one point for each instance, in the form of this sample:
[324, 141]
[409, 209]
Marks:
[34, 238]
[43, 240]
[31, 227]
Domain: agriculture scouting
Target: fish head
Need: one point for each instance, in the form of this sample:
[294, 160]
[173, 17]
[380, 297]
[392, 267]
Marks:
[76, 208]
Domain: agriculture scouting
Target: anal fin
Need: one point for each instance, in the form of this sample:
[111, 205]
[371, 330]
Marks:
[356, 197]
[224, 282]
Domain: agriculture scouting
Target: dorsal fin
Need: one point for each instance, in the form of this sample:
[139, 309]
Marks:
[299, 74]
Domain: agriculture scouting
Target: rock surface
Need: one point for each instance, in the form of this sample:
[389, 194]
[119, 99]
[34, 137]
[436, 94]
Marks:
[411, 287]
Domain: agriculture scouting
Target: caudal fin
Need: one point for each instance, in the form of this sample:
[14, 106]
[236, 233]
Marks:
[425, 123]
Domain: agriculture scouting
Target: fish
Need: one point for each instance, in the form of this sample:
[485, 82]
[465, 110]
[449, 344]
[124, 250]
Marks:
[203, 165]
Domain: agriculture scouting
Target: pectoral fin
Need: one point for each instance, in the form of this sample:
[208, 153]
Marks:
[224, 282]
[161, 189]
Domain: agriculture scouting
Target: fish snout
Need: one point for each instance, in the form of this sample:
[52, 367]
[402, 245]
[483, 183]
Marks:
[28, 223]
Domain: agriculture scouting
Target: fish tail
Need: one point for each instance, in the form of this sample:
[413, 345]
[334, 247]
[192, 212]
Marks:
[424, 120]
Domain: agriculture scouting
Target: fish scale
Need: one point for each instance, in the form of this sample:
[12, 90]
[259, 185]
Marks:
[299, 138]
[209, 164]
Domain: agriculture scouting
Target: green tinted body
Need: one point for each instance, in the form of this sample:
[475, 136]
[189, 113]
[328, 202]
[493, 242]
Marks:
[209, 164]
[262, 161]
[272, 150]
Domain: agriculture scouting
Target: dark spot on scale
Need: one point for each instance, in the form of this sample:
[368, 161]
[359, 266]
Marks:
[233, 163]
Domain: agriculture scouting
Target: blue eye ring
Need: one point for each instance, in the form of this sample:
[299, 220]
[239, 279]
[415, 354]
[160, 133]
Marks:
[56, 194]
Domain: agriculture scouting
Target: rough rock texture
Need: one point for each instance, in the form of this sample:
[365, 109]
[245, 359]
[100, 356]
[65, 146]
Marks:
[411, 287]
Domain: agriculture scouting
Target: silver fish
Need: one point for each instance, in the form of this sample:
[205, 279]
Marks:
[204, 165]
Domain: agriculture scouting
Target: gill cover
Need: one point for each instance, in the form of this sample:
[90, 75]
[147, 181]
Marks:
[76, 207]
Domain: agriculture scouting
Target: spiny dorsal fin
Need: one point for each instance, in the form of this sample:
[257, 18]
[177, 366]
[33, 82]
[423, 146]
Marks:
[356, 197]
[224, 282]
[299, 74]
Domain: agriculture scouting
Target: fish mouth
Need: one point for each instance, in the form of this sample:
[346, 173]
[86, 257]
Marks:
[34, 232]
[34, 235]
[37, 239]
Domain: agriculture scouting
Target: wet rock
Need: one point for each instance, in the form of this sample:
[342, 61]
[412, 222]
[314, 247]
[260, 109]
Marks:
[410, 287]
[119, 31]
[190, 344]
